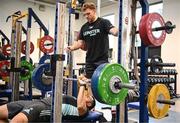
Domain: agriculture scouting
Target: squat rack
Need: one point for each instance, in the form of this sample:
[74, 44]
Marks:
[143, 113]
[31, 13]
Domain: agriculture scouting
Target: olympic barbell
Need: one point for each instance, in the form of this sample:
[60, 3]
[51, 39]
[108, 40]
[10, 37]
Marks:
[43, 80]
[44, 42]
[168, 27]
[23, 47]
[159, 101]
[109, 83]
[146, 29]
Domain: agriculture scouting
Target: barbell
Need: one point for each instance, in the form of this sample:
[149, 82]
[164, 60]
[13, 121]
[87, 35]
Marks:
[42, 80]
[23, 47]
[109, 83]
[159, 101]
[147, 26]
[46, 44]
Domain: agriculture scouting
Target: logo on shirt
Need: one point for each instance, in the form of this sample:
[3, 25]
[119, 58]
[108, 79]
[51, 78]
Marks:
[90, 27]
[28, 110]
[91, 32]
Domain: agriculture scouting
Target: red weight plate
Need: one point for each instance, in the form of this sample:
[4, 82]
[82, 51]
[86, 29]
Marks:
[155, 41]
[142, 30]
[145, 29]
[42, 45]
[6, 49]
[3, 66]
[23, 47]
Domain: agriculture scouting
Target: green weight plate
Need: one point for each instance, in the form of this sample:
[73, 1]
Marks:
[94, 82]
[24, 58]
[27, 70]
[107, 95]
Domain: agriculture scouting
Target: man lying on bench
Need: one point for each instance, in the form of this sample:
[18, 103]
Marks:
[29, 111]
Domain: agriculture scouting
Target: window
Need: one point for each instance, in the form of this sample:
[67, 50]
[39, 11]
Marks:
[111, 38]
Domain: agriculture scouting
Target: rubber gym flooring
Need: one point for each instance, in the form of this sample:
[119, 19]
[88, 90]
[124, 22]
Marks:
[173, 115]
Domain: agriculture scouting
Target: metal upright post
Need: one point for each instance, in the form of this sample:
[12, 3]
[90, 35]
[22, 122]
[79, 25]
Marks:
[143, 113]
[58, 50]
[15, 87]
[12, 48]
[26, 82]
[70, 54]
[120, 109]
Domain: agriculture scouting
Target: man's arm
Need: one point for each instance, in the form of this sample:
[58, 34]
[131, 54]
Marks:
[114, 31]
[81, 102]
[75, 46]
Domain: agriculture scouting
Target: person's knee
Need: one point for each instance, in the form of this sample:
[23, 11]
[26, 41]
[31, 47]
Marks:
[3, 121]
[3, 112]
[20, 118]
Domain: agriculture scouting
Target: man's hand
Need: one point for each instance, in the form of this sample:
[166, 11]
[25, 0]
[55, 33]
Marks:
[68, 49]
[82, 82]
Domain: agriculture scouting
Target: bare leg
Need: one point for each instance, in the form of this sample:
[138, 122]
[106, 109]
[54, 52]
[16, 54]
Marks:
[3, 112]
[3, 121]
[20, 118]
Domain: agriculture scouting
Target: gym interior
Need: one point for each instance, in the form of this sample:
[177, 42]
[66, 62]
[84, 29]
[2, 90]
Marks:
[139, 83]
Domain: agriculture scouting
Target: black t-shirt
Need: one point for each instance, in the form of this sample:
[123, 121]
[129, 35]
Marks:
[66, 100]
[96, 38]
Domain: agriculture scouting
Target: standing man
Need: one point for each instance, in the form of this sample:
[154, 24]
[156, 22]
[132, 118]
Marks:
[94, 38]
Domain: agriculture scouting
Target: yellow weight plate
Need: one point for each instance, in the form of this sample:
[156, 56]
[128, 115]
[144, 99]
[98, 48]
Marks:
[158, 91]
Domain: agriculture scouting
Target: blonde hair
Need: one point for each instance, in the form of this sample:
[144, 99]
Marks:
[88, 5]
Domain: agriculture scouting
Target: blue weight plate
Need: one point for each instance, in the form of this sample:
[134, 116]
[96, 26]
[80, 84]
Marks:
[37, 77]
[94, 81]
[44, 58]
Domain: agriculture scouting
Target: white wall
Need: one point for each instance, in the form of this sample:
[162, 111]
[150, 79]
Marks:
[79, 55]
[112, 9]
[8, 7]
[171, 46]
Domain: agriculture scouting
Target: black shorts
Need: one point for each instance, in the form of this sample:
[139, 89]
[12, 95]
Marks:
[91, 67]
[31, 109]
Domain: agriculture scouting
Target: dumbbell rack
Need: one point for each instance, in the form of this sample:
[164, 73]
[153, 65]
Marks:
[165, 76]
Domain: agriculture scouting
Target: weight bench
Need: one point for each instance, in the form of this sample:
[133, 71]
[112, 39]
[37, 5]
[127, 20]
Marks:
[91, 117]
